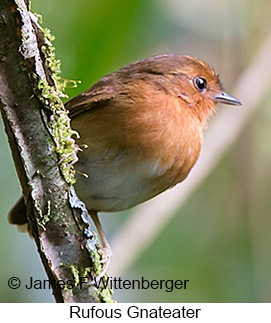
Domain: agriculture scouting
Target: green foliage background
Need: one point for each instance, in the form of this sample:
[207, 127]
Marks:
[221, 239]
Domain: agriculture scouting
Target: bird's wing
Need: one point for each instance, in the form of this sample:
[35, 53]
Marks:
[97, 95]
[124, 84]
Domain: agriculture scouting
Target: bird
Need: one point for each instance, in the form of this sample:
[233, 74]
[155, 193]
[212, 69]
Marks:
[142, 128]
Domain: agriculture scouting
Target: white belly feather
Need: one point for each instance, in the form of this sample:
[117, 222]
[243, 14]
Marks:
[115, 182]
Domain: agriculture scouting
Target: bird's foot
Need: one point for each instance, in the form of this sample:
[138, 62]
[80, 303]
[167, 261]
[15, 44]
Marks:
[105, 261]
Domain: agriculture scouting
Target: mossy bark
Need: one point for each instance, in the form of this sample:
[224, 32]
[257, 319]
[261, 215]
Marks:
[60, 232]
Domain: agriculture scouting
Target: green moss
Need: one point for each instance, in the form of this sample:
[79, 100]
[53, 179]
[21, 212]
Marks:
[105, 295]
[45, 217]
[50, 95]
[76, 274]
[94, 254]
[59, 216]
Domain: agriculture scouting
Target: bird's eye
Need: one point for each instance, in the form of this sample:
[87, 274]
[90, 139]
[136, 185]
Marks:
[200, 83]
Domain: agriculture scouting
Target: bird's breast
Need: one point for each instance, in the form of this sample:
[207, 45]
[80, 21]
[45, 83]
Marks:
[118, 180]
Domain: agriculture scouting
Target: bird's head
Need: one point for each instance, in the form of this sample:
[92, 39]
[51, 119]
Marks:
[201, 87]
[194, 82]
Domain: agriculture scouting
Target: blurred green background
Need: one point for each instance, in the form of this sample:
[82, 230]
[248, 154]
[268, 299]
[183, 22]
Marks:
[221, 239]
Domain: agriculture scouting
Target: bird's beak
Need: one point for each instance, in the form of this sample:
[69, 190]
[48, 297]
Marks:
[226, 98]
